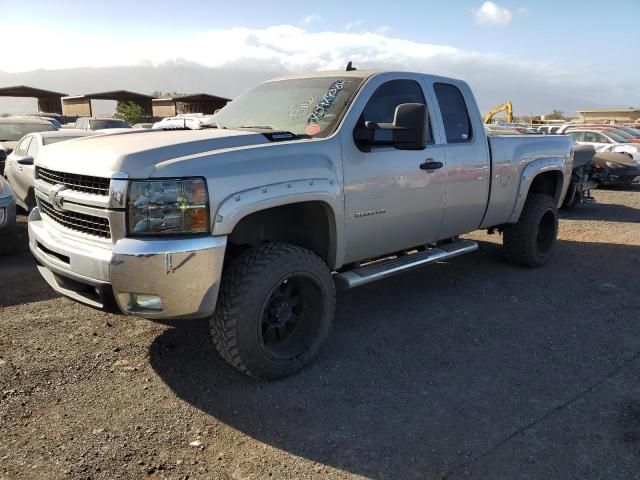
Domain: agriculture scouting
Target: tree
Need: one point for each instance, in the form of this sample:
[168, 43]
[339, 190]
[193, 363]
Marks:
[131, 112]
[555, 115]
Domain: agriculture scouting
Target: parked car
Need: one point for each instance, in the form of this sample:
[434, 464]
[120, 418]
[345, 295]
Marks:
[84, 123]
[605, 141]
[615, 169]
[53, 122]
[8, 233]
[627, 137]
[493, 129]
[255, 219]
[19, 169]
[12, 129]
[549, 129]
[182, 122]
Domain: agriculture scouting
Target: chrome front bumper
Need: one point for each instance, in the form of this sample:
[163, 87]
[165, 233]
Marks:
[176, 278]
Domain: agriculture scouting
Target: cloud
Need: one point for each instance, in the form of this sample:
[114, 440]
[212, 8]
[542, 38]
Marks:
[309, 19]
[353, 25]
[286, 48]
[491, 13]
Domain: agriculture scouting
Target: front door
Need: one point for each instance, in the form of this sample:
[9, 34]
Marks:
[390, 202]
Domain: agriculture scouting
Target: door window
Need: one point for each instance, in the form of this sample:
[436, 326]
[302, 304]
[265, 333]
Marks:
[594, 137]
[457, 124]
[577, 136]
[381, 107]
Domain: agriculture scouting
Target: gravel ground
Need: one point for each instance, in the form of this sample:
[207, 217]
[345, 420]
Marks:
[467, 369]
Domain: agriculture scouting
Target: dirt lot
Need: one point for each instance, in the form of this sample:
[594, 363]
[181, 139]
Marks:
[467, 369]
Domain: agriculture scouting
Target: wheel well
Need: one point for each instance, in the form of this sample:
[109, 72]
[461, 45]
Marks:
[310, 225]
[548, 183]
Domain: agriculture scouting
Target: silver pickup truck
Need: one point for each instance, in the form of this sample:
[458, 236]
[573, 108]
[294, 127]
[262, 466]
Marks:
[300, 185]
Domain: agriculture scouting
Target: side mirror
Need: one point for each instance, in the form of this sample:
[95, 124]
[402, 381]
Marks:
[410, 126]
[26, 161]
[407, 132]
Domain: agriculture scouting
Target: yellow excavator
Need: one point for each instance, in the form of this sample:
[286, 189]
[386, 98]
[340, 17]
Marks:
[500, 108]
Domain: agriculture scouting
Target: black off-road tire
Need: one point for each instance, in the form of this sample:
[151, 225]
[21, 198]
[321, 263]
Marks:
[249, 284]
[531, 241]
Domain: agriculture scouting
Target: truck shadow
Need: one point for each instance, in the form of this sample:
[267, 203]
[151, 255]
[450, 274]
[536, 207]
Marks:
[604, 212]
[426, 371]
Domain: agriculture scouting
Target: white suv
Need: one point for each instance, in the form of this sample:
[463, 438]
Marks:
[605, 141]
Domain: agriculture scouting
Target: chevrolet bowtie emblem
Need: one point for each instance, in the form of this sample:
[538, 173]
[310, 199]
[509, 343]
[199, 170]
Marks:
[55, 199]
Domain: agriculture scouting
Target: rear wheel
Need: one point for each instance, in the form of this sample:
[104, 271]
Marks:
[275, 309]
[531, 241]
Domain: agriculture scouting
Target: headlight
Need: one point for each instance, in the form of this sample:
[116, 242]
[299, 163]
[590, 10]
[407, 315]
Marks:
[168, 207]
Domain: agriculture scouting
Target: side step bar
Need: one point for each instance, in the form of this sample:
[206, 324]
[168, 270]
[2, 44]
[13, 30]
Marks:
[385, 268]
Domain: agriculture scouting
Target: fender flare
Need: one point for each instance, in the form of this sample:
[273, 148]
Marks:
[237, 206]
[531, 171]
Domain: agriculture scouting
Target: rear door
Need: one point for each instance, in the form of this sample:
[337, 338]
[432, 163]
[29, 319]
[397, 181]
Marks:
[467, 158]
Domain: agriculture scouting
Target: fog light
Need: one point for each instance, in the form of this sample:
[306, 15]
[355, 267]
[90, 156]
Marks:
[2, 215]
[145, 301]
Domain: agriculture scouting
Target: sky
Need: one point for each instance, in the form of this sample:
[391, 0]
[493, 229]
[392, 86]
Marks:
[581, 49]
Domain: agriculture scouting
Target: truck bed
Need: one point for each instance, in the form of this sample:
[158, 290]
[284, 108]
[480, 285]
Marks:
[510, 154]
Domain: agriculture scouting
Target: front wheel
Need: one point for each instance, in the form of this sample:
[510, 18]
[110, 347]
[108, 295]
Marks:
[531, 241]
[275, 308]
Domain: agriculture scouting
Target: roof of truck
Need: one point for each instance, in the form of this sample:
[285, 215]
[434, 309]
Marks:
[360, 74]
[331, 73]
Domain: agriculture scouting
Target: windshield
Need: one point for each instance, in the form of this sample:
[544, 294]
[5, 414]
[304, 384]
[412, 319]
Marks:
[102, 124]
[620, 133]
[11, 132]
[616, 138]
[303, 106]
[631, 131]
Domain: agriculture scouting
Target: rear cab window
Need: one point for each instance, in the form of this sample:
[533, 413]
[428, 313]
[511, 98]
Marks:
[455, 116]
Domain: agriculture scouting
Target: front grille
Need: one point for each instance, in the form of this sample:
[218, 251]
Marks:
[79, 222]
[80, 183]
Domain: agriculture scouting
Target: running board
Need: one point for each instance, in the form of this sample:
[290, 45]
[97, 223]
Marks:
[385, 268]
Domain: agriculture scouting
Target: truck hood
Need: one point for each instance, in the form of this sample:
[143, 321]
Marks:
[138, 153]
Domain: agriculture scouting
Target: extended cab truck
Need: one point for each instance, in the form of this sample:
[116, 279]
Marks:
[299, 185]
